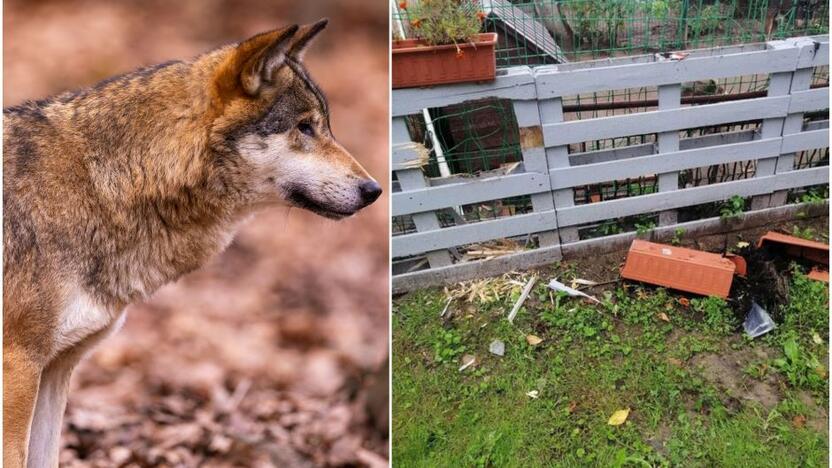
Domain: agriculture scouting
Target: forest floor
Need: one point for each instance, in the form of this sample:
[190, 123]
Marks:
[276, 353]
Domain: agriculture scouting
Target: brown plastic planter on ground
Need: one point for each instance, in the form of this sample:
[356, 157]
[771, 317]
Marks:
[796, 247]
[679, 268]
[418, 64]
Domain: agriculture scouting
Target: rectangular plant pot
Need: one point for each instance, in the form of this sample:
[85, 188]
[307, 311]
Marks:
[418, 64]
[678, 268]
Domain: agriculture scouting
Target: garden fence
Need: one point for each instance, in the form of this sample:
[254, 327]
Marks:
[575, 178]
[538, 32]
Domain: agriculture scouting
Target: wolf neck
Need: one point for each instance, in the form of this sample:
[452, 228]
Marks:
[166, 210]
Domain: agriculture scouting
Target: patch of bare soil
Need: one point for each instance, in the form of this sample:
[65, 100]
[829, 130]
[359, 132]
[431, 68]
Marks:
[275, 354]
[725, 370]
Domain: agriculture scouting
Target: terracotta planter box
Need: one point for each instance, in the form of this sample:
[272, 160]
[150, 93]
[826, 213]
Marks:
[683, 269]
[796, 247]
[417, 64]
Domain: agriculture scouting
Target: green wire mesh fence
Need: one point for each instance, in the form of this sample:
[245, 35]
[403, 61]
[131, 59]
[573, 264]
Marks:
[535, 32]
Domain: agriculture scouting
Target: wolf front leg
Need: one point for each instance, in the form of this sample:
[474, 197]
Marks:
[45, 440]
[45, 437]
[21, 379]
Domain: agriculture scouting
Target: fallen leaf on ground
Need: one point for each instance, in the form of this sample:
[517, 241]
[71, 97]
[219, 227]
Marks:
[816, 338]
[573, 405]
[684, 302]
[619, 417]
[533, 340]
[663, 316]
[742, 244]
[799, 421]
[533, 394]
[675, 362]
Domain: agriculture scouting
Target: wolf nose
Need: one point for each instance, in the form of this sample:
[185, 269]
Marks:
[370, 191]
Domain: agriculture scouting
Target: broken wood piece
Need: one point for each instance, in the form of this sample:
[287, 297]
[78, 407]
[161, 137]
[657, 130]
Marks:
[526, 290]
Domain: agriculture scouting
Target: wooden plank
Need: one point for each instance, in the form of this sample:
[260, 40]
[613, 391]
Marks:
[407, 156]
[480, 190]
[479, 269]
[586, 249]
[415, 243]
[552, 82]
[634, 151]
[811, 55]
[810, 100]
[534, 160]
[662, 121]
[650, 58]
[511, 83]
[793, 124]
[412, 179]
[779, 84]
[807, 140]
[670, 97]
[663, 162]
[551, 112]
[652, 203]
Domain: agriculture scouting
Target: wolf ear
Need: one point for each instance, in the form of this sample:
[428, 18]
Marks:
[260, 56]
[304, 38]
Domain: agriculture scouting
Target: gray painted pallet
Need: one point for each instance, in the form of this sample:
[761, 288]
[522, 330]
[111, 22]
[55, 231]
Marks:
[549, 173]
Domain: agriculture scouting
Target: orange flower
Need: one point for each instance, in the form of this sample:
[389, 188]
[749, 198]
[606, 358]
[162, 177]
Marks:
[481, 16]
[416, 23]
[684, 302]
[459, 53]
[403, 5]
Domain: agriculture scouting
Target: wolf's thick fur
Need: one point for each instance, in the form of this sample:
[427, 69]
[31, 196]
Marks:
[115, 190]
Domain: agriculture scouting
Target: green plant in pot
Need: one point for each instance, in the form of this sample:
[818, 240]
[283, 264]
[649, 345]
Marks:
[446, 45]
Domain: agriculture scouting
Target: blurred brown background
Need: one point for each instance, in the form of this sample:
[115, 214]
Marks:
[276, 354]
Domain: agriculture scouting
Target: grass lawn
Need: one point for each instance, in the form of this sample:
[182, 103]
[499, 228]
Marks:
[698, 391]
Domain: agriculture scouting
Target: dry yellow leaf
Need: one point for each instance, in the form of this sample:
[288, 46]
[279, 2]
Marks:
[619, 417]
[664, 317]
[534, 340]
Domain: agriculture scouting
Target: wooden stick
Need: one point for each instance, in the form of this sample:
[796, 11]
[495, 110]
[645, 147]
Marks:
[526, 290]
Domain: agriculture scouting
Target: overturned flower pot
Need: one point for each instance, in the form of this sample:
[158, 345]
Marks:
[682, 269]
[417, 64]
[817, 252]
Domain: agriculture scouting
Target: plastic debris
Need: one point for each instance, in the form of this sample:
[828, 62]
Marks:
[497, 347]
[556, 285]
[757, 321]
[533, 394]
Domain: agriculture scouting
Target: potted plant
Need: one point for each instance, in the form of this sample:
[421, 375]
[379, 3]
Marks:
[447, 46]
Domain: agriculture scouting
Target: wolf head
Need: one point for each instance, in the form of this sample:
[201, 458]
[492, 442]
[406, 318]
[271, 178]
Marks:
[273, 129]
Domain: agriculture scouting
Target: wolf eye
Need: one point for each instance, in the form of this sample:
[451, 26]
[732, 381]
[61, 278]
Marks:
[306, 129]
